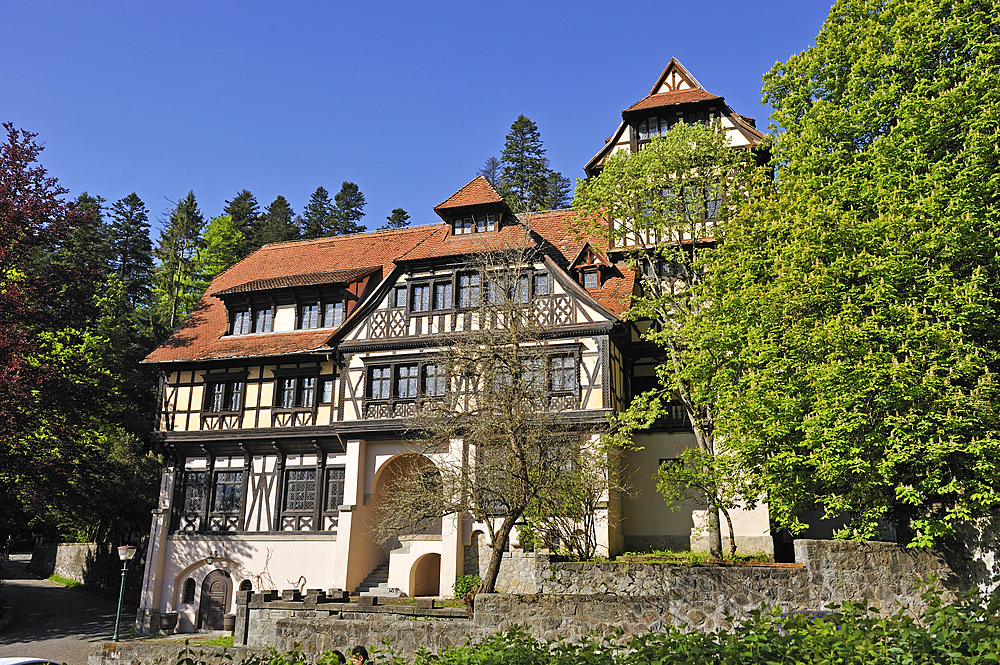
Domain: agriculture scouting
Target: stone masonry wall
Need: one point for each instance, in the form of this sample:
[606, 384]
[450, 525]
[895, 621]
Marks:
[69, 560]
[146, 653]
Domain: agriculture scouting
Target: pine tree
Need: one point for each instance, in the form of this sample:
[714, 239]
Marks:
[245, 213]
[349, 209]
[557, 190]
[524, 166]
[131, 248]
[492, 172]
[279, 224]
[397, 220]
[175, 283]
[318, 215]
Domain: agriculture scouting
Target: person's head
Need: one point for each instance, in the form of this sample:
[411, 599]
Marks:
[339, 657]
[359, 655]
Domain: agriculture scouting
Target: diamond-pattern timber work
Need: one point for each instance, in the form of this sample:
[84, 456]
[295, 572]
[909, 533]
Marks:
[225, 522]
[297, 523]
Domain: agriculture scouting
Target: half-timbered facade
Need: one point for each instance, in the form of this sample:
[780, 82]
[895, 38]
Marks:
[285, 394]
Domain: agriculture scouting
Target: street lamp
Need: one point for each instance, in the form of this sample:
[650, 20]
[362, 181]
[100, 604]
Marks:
[125, 553]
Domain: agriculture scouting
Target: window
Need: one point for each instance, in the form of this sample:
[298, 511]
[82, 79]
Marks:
[327, 396]
[228, 491]
[563, 373]
[194, 491]
[381, 382]
[246, 585]
[398, 297]
[333, 315]
[188, 591]
[223, 395]
[406, 381]
[264, 320]
[421, 301]
[478, 224]
[434, 380]
[591, 279]
[468, 291]
[654, 127]
[300, 490]
[241, 322]
[325, 314]
[541, 284]
[309, 316]
[296, 392]
[335, 477]
[461, 226]
[442, 295]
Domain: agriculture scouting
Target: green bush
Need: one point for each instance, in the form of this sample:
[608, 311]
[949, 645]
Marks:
[465, 583]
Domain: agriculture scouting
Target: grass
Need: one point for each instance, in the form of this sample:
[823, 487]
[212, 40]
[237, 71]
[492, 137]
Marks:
[219, 642]
[65, 581]
[688, 558]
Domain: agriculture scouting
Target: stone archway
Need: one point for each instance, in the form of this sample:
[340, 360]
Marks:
[388, 480]
[216, 600]
[425, 576]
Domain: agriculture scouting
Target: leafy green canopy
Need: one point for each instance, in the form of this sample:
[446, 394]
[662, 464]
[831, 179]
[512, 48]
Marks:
[863, 287]
[654, 203]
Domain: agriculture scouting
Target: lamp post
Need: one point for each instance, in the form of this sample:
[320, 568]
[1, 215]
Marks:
[125, 553]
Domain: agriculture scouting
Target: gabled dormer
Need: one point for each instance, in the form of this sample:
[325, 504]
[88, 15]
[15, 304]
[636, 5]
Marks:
[591, 267]
[297, 302]
[677, 96]
[475, 208]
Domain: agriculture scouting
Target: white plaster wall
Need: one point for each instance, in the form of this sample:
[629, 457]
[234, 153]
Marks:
[273, 561]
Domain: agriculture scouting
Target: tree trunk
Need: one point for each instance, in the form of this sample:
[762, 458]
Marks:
[497, 547]
[714, 528]
[732, 534]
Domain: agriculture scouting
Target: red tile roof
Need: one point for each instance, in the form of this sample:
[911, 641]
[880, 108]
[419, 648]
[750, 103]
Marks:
[312, 279]
[202, 335]
[443, 243]
[560, 229]
[671, 98]
[476, 192]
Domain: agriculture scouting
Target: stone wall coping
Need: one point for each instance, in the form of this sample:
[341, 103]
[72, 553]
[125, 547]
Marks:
[276, 536]
[335, 605]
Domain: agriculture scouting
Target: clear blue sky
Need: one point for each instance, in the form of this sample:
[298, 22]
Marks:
[406, 99]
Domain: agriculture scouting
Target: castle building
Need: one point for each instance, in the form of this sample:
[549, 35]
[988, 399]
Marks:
[285, 394]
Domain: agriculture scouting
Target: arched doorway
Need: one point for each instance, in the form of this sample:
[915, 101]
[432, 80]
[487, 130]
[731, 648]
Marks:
[425, 576]
[216, 599]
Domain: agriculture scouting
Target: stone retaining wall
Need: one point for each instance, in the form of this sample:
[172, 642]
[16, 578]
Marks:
[578, 598]
[69, 560]
[145, 653]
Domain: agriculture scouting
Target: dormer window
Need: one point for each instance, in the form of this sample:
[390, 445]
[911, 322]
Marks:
[241, 322]
[591, 279]
[476, 224]
[252, 320]
[321, 315]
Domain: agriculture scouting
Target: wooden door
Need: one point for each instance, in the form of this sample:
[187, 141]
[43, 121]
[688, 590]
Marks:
[216, 595]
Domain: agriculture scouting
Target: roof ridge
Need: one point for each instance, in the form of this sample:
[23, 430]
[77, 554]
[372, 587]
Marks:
[285, 243]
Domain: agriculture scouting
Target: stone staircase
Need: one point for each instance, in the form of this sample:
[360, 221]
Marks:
[377, 583]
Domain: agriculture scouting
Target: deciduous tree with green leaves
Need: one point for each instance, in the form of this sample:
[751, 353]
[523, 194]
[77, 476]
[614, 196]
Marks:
[663, 206]
[865, 286]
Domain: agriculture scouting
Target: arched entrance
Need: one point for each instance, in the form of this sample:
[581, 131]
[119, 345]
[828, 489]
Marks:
[216, 598]
[425, 576]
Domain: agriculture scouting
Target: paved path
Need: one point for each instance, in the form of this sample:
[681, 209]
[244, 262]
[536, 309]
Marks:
[53, 621]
